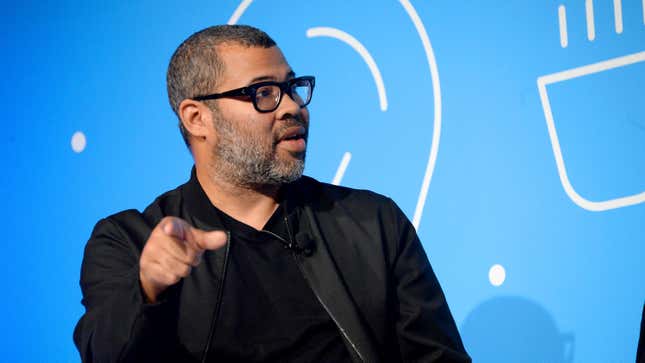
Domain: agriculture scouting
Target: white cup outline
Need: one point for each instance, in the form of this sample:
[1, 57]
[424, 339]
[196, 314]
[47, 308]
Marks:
[542, 82]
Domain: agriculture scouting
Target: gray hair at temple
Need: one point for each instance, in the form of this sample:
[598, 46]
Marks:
[195, 67]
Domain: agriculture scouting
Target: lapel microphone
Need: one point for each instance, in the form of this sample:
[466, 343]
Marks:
[303, 243]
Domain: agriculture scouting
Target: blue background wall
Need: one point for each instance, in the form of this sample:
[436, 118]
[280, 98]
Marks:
[574, 284]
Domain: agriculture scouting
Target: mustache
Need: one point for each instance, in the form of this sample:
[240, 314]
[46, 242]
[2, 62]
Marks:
[293, 121]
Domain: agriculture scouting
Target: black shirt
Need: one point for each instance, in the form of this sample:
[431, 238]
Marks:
[269, 313]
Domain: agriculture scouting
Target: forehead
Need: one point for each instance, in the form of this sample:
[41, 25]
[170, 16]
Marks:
[242, 65]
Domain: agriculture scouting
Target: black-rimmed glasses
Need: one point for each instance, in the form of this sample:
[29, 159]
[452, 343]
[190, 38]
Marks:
[266, 96]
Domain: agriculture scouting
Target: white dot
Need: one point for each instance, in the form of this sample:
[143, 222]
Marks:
[78, 142]
[497, 275]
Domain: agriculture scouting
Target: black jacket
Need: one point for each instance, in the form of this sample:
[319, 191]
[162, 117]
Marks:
[356, 249]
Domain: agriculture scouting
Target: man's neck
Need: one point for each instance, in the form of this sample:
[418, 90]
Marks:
[253, 206]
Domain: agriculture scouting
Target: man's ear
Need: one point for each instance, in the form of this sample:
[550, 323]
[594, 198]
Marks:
[196, 118]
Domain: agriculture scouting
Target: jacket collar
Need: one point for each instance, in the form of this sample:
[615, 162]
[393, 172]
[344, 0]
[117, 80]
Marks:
[199, 208]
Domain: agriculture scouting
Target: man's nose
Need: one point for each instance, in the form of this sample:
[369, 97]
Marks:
[288, 106]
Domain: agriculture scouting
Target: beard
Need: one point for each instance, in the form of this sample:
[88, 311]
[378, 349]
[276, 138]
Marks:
[247, 159]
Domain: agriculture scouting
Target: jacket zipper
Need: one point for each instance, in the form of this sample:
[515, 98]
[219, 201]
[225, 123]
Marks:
[294, 254]
[218, 303]
[342, 331]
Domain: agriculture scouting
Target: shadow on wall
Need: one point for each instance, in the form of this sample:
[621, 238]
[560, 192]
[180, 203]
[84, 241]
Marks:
[515, 329]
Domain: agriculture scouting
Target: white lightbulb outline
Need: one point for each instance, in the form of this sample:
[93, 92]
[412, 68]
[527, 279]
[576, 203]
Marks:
[436, 90]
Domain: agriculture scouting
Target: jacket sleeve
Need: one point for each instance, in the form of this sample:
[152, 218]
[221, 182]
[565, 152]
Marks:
[425, 328]
[117, 325]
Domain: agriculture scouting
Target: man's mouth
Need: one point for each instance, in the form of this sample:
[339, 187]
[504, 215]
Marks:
[294, 139]
[294, 133]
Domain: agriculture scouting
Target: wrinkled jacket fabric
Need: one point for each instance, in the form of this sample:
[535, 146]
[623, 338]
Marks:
[363, 261]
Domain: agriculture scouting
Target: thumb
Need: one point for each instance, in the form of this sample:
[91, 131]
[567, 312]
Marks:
[211, 240]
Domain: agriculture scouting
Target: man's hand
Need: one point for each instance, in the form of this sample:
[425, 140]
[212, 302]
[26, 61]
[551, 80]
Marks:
[172, 250]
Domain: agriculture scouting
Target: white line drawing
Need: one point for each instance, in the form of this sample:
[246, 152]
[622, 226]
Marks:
[340, 172]
[618, 16]
[361, 50]
[569, 74]
[562, 20]
[436, 91]
[591, 28]
[239, 11]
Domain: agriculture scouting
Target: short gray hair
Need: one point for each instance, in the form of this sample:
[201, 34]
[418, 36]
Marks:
[195, 67]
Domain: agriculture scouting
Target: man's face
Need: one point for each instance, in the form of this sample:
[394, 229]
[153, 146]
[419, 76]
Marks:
[254, 148]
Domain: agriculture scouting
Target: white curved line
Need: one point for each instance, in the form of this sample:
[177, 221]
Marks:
[239, 11]
[341, 168]
[436, 90]
[360, 49]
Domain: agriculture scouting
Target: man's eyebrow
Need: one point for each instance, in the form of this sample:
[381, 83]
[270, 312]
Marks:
[290, 74]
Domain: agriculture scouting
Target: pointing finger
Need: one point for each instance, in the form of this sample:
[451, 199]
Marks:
[211, 240]
[198, 239]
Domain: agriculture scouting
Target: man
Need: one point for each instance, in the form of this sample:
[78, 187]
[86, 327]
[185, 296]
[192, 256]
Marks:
[250, 260]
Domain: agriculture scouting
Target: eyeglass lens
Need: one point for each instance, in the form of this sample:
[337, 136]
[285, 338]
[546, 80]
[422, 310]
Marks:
[268, 97]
